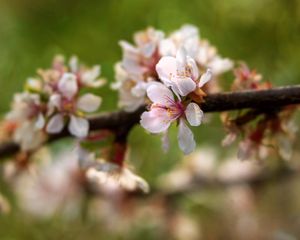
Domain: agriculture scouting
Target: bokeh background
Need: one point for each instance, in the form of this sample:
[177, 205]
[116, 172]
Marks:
[265, 34]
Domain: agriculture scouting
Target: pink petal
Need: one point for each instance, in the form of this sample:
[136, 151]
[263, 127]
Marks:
[160, 94]
[219, 65]
[195, 71]
[155, 121]
[40, 122]
[205, 78]
[78, 127]
[186, 138]
[89, 102]
[193, 114]
[181, 59]
[67, 85]
[55, 124]
[166, 68]
[185, 85]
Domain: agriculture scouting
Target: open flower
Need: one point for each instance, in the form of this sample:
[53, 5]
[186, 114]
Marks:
[181, 73]
[109, 174]
[187, 36]
[87, 77]
[137, 68]
[207, 57]
[166, 110]
[67, 103]
[115, 176]
[27, 115]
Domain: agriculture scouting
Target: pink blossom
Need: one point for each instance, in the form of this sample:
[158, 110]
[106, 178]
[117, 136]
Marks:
[67, 103]
[166, 110]
[181, 73]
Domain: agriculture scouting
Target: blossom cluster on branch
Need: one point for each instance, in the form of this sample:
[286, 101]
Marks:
[51, 100]
[263, 132]
[170, 74]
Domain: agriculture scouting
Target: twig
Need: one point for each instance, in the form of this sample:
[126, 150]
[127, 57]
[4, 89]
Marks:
[265, 100]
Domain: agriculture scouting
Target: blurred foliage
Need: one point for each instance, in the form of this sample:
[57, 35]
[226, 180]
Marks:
[265, 34]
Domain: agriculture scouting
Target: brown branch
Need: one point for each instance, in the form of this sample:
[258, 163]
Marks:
[265, 100]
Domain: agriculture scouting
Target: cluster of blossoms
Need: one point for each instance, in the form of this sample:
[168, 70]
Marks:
[106, 165]
[60, 188]
[171, 72]
[172, 100]
[138, 66]
[51, 100]
[262, 132]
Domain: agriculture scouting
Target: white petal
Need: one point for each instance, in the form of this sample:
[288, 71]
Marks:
[181, 59]
[195, 71]
[148, 49]
[55, 124]
[55, 100]
[185, 85]
[128, 47]
[89, 76]
[166, 68]
[89, 102]
[155, 122]
[67, 85]
[78, 127]
[205, 78]
[160, 94]
[40, 122]
[167, 47]
[193, 114]
[186, 138]
[139, 90]
[131, 181]
[219, 65]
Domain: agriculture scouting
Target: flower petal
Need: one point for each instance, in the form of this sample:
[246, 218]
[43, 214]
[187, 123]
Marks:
[88, 77]
[167, 47]
[55, 124]
[186, 138]
[194, 68]
[205, 78]
[78, 127]
[155, 121]
[131, 181]
[166, 68]
[139, 90]
[40, 122]
[67, 85]
[148, 49]
[185, 85]
[160, 94]
[89, 102]
[193, 114]
[220, 65]
[181, 59]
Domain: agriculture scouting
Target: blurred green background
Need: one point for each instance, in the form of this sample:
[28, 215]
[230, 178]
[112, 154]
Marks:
[265, 34]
